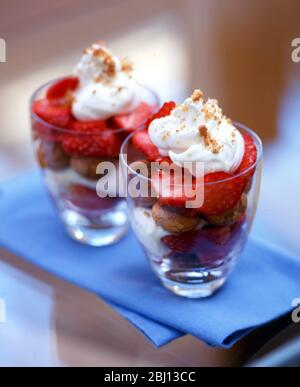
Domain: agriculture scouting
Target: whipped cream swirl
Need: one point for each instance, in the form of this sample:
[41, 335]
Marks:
[197, 131]
[106, 85]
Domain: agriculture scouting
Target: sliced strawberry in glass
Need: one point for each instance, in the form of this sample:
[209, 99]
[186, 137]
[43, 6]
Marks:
[209, 244]
[60, 89]
[134, 120]
[165, 111]
[91, 139]
[250, 156]
[143, 143]
[53, 114]
[171, 192]
[87, 199]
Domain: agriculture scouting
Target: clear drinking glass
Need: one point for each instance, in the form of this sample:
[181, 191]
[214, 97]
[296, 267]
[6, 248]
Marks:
[193, 264]
[72, 181]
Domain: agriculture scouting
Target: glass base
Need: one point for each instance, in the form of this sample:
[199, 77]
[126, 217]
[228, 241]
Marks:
[187, 278]
[194, 291]
[97, 237]
[102, 230]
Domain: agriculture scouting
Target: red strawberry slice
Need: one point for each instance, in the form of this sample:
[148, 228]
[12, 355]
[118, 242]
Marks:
[143, 143]
[134, 120]
[196, 241]
[53, 114]
[163, 112]
[250, 156]
[223, 196]
[91, 139]
[87, 199]
[60, 88]
[170, 192]
[89, 126]
[210, 245]
[220, 196]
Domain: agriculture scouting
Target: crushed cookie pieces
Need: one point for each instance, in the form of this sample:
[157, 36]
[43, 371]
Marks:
[209, 141]
[127, 65]
[197, 96]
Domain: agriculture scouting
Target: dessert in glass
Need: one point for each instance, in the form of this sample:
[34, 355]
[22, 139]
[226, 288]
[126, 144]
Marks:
[78, 125]
[199, 179]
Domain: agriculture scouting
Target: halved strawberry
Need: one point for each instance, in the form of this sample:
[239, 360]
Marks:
[170, 192]
[87, 199]
[60, 88]
[194, 242]
[219, 195]
[209, 245]
[222, 196]
[163, 112]
[143, 143]
[134, 120]
[91, 139]
[53, 114]
[89, 126]
[250, 156]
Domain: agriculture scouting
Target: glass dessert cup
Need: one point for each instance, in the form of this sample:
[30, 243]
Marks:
[192, 254]
[72, 177]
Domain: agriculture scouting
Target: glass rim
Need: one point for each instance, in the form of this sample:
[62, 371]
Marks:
[49, 126]
[259, 146]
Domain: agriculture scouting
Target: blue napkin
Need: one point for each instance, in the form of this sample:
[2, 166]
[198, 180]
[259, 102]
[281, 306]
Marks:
[261, 289]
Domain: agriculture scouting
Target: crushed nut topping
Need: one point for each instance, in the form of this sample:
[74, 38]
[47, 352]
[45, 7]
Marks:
[185, 108]
[110, 66]
[197, 96]
[166, 136]
[212, 111]
[209, 141]
[127, 65]
[99, 79]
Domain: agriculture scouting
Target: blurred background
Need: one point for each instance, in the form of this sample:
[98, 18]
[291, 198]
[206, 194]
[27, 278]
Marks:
[238, 51]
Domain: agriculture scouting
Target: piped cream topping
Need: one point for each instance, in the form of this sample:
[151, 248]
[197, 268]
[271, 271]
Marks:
[107, 87]
[198, 131]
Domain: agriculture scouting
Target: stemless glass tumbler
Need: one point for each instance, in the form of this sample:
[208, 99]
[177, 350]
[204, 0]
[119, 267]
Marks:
[195, 256]
[72, 177]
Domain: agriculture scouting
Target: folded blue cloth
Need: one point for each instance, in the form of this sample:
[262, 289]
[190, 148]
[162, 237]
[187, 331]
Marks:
[261, 289]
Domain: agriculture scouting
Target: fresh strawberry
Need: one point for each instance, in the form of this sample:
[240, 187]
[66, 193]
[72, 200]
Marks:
[143, 143]
[163, 112]
[209, 245]
[61, 88]
[219, 195]
[45, 132]
[53, 114]
[250, 156]
[195, 241]
[170, 192]
[89, 126]
[87, 199]
[222, 196]
[134, 120]
[91, 139]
